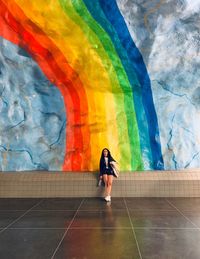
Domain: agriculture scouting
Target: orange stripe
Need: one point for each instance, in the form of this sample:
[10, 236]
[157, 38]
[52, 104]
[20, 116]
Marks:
[77, 131]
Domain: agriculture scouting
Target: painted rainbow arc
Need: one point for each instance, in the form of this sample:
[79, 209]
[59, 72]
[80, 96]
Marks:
[85, 49]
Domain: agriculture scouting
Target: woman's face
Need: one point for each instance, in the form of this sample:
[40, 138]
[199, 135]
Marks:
[105, 152]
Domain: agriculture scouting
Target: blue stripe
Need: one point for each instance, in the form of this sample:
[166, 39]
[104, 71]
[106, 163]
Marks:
[114, 16]
[95, 10]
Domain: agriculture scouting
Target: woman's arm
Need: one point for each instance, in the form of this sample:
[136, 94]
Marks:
[112, 161]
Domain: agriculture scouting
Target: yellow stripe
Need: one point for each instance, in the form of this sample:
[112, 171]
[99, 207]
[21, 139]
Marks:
[81, 56]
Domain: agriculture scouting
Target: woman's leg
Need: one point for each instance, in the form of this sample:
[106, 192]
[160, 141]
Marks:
[105, 179]
[109, 184]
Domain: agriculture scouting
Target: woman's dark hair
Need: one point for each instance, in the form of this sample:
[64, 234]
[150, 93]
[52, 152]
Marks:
[110, 158]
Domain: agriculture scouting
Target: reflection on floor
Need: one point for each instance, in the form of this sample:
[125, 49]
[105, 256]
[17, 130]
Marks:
[92, 228]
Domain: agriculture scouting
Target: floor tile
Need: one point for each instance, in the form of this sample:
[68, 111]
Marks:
[169, 243]
[45, 219]
[148, 204]
[99, 243]
[59, 204]
[26, 243]
[100, 203]
[186, 204]
[194, 216]
[102, 219]
[100, 229]
[159, 218]
[7, 217]
[18, 203]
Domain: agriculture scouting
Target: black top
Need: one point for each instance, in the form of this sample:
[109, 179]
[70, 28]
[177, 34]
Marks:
[102, 165]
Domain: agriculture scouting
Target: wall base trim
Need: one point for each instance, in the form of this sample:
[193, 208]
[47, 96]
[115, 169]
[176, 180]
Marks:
[130, 184]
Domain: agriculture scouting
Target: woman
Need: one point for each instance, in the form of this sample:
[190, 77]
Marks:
[106, 171]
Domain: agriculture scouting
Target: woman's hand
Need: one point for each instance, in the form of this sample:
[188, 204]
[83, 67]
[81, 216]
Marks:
[113, 163]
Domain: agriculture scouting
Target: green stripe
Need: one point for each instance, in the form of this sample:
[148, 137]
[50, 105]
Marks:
[98, 37]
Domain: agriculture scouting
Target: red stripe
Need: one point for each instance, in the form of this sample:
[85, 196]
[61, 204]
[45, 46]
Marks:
[77, 151]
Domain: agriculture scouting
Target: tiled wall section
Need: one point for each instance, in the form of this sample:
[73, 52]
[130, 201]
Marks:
[143, 184]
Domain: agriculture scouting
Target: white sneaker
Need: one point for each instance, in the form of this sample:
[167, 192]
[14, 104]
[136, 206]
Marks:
[108, 198]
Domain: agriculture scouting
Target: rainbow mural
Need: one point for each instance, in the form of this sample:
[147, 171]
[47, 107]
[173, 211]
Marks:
[85, 50]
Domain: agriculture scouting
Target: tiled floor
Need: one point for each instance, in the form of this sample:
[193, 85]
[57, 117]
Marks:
[91, 228]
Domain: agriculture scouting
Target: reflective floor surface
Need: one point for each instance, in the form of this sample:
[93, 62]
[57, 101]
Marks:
[90, 228]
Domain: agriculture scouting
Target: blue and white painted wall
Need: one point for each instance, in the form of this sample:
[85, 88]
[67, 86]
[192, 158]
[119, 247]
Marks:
[167, 34]
[33, 117]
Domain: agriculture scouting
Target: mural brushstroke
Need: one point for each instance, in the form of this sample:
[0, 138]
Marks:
[110, 92]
